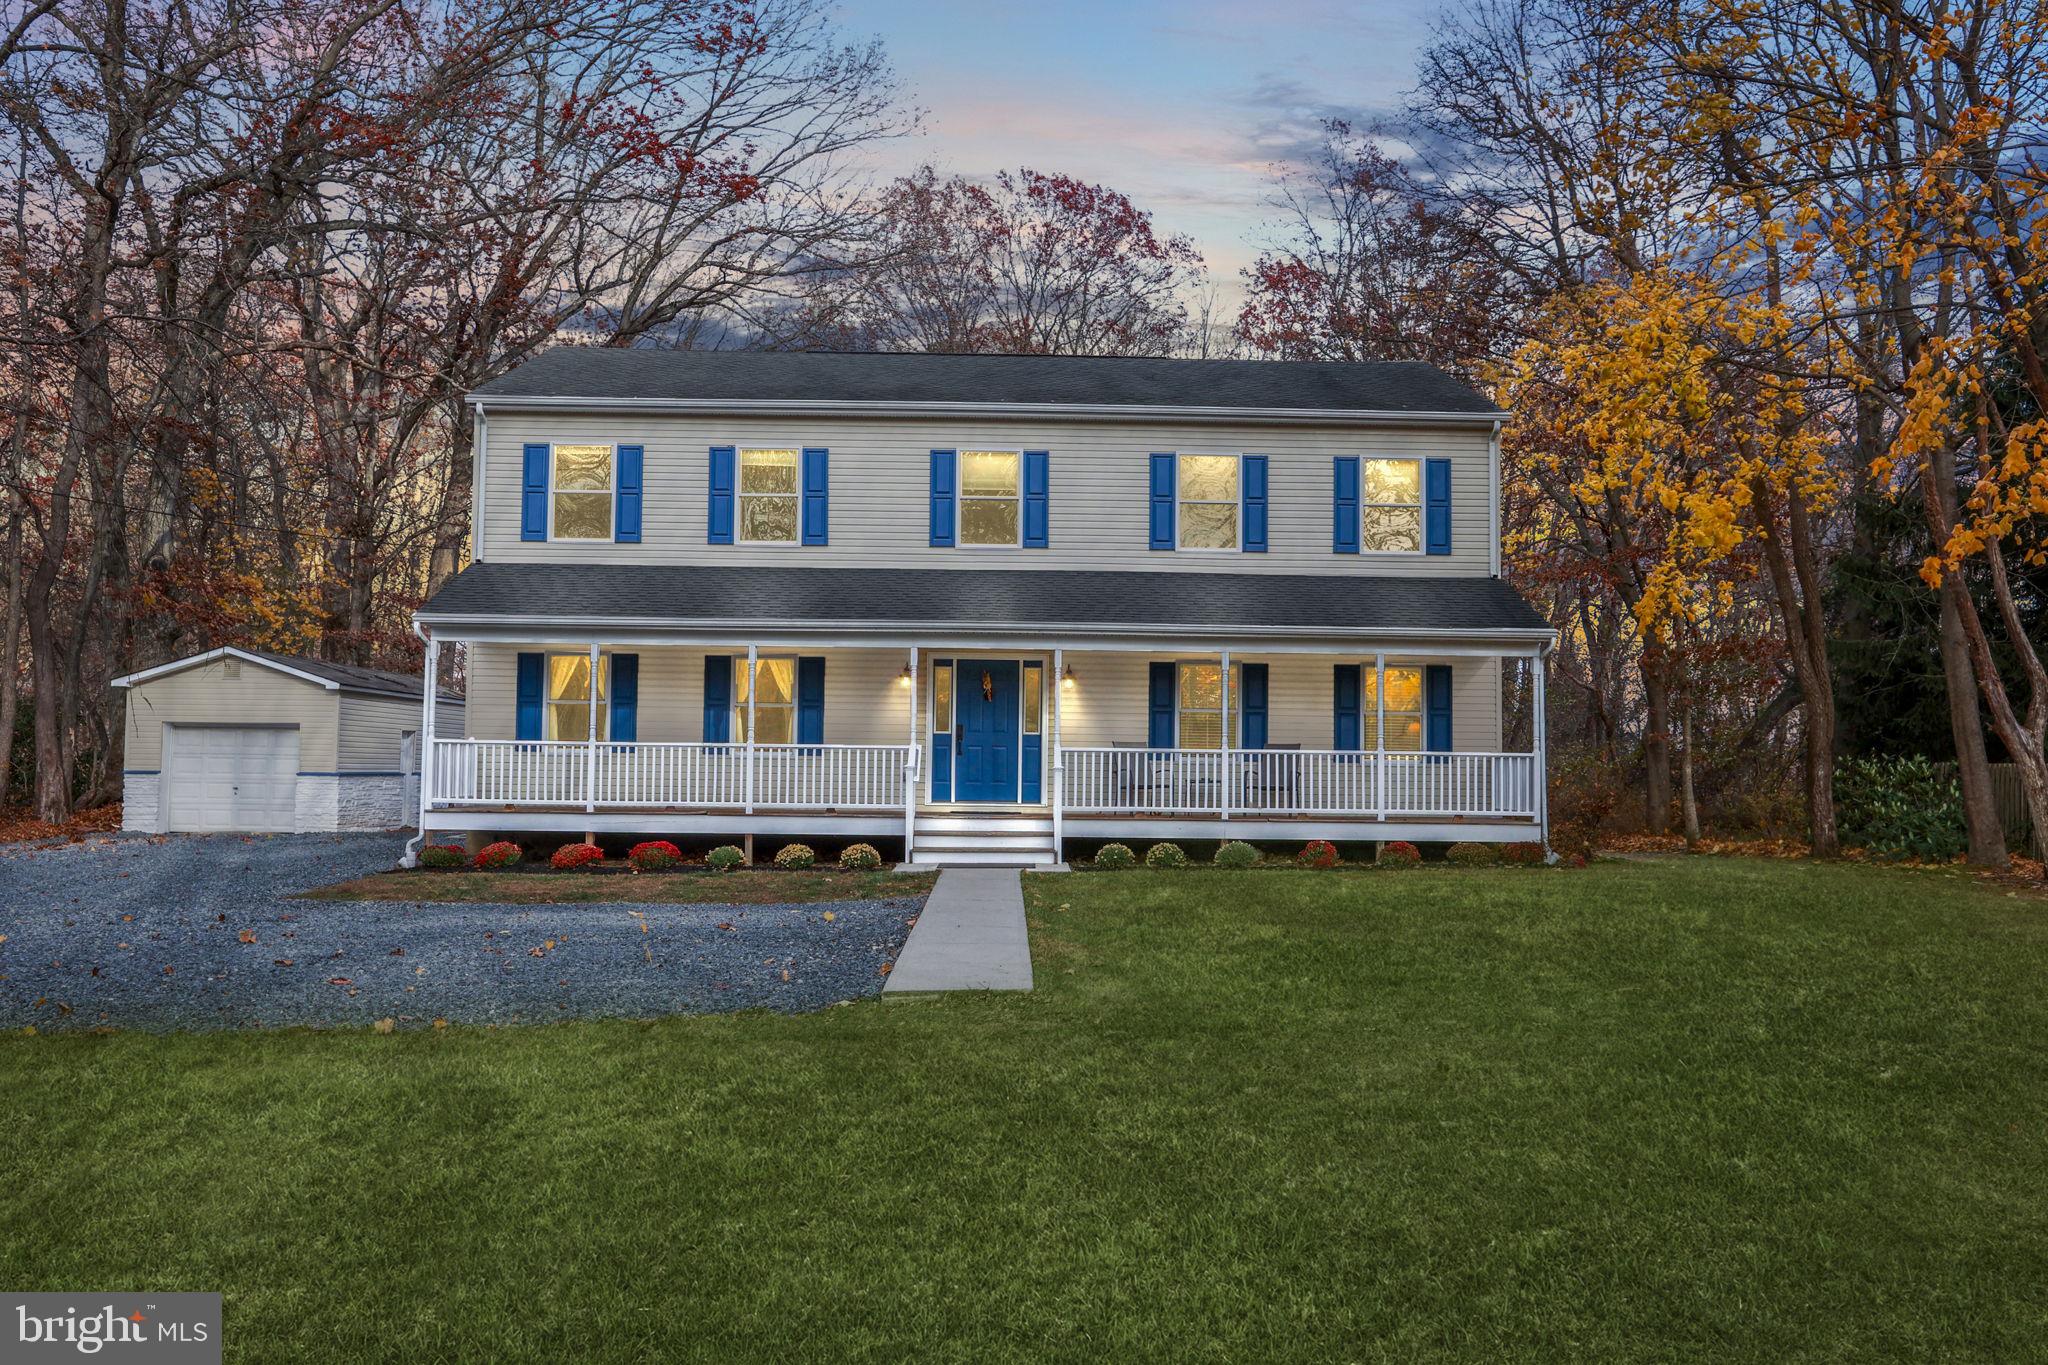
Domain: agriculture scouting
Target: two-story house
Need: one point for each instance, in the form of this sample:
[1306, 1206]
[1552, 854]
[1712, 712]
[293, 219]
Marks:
[984, 604]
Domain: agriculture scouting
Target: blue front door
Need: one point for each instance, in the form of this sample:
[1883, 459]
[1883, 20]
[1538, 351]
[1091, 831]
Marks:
[985, 730]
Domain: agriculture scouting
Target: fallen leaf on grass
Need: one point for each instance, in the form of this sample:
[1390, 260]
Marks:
[385, 1025]
[440, 1023]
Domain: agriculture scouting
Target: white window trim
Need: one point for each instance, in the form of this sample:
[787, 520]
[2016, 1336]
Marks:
[1180, 521]
[1420, 504]
[740, 703]
[611, 492]
[960, 500]
[739, 518]
[1235, 701]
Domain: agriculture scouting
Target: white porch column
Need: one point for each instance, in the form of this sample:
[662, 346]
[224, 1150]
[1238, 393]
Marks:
[590, 765]
[1224, 746]
[1058, 764]
[1539, 733]
[753, 657]
[427, 756]
[1379, 758]
[910, 767]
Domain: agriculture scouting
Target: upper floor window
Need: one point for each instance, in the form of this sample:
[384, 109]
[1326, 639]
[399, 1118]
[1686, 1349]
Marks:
[571, 695]
[768, 496]
[774, 701]
[1202, 721]
[582, 492]
[990, 496]
[1390, 506]
[1208, 496]
[1404, 709]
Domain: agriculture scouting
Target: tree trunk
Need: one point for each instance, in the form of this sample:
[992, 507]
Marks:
[10, 654]
[1688, 804]
[1973, 767]
[1657, 740]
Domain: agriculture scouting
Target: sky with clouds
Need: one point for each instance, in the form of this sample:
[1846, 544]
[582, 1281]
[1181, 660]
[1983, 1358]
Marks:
[1185, 105]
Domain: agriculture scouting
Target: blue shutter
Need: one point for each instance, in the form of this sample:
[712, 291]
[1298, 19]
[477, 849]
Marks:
[527, 714]
[1037, 491]
[626, 502]
[1344, 505]
[1436, 703]
[942, 742]
[718, 518]
[1252, 491]
[1251, 706]
[1436, 506]
[1159, 732]
[533, 495]
[817, 488]
[943, 485]
[1346, 693]
[625, 717]
[810, 699]
[718, 698]
[1162, 502]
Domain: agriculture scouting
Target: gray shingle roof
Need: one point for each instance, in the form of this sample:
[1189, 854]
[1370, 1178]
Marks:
[579, 372]
[968, 597]
[350, 678]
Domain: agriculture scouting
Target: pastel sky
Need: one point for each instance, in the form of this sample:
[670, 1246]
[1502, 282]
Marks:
[1184, 105]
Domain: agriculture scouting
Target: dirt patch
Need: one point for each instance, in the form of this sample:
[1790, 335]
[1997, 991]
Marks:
[19, 826]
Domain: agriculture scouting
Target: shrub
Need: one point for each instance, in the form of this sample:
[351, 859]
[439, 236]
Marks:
[1522, 855]
[1472, 855]
[796, 855]
[443, 856]
[1115, 855]
[569, 857]
[1317, 853]
[1165, 855]
[1398, 853]
[501, 854]
[1900, 808]
[657, 855]
[1236, 853]
[726, 857]
[860, 858]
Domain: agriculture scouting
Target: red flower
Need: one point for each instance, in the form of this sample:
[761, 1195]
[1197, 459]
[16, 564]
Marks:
[571, 856]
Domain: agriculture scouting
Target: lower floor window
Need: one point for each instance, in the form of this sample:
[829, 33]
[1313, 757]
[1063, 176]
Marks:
[571, 696]
[1404, 709]
[773, 692]
[1202, 722]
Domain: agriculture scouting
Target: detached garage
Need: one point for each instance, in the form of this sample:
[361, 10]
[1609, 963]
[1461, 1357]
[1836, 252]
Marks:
[239, 741]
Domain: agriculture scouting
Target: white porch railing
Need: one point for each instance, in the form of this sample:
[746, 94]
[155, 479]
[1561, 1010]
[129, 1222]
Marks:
[504, 772]
[1299, 782]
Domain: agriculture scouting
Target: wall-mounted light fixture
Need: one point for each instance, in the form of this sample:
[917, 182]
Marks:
[904, 676]
[1067, 676]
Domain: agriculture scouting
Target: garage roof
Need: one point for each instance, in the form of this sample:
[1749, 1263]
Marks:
[331, 676]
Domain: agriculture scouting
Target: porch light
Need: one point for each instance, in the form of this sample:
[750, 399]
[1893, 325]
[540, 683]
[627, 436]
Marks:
[904, 676]
[1067, 676]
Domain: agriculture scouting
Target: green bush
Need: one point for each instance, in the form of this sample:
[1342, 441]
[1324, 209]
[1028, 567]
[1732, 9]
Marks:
[1115, 855]
[796, 855]
[1472, 855]
[1237, 853]
[441, 857]
[725, 858]
[1900, 808]
[1165, 855]
[1399, 853]
[860, 858]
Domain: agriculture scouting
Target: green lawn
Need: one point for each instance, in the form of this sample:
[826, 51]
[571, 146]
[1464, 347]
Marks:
[1694, 1109]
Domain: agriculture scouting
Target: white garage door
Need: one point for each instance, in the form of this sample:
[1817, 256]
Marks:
[231, 777]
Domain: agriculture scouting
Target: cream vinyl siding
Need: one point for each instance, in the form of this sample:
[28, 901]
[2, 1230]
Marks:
[1100, 481]
[205, 695]
[865, 699]
[373, 728]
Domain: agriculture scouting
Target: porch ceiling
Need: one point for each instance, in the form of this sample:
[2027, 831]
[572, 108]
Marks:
[1055, 602]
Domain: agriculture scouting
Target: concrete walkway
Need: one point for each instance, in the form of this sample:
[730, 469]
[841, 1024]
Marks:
[969, 937]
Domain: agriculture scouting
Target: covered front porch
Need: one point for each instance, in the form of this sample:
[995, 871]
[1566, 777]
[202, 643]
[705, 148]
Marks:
[981, 748]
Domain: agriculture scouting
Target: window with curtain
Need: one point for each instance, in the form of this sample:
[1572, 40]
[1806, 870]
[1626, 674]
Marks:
[570, 697]
[1208, 502]
[1390, 506]
[582, 492]
[1404, 709]
[1034, 698]
[1201, 724]
[942, 699]
[989, 491]
[774, 695]
[768, 496]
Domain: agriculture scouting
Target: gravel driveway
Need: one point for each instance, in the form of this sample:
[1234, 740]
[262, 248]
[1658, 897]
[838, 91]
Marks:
[202, 932]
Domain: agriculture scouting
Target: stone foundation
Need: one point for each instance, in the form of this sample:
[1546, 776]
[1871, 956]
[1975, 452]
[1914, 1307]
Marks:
[140, 802]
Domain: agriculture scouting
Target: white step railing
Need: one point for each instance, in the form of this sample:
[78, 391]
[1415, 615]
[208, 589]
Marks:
[1299, 782]
[504, 772]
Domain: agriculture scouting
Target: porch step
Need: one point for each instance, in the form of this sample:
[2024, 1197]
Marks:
[984, 824]
[927, 839]
[980, 858]
[983, 839]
